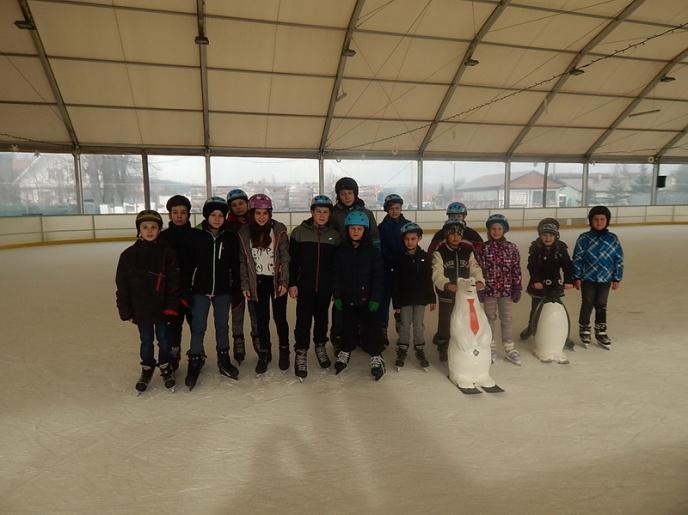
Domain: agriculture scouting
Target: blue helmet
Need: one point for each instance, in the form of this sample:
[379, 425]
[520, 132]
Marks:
[321, 201]
[357, 218]
[457, 208]
[497, 219]
[235, 194]
[392, 198]
[453, 226]
[411, 227]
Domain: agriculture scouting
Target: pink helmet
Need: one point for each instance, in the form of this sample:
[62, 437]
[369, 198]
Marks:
[259, 201]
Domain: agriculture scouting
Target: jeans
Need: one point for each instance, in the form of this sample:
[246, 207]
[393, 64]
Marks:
[443, 320]
[174, 328]
[311, 306]
[503, 305]
[238, 308]
[199, 321]
[412, 315]
[594, 295]
[259, 310]
[361, 327]
[148, 331]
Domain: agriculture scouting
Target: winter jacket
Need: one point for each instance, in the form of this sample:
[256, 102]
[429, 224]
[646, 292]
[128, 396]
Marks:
[233, 222]
[180, 239]
[501, 264]
[147, 282]
[339, 214]
[470, 239]
[311, 256]
[449, 264]
[391, 244]
[546, 263]
[412, 283]
[249, 275]
[358, 273]
[598, 257]
[216, 261]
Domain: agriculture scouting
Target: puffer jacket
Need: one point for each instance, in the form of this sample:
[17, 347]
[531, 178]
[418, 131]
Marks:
[216, 261]
[180, 239]
[311, 256]
[598, 257]
[249, 275]
[358, 273]
[339, 214]
[412, 283]
[391, 244]
[501, 264]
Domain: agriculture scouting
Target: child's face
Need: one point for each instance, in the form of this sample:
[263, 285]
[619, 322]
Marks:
[149, 231]
[321, 215]
[262, 216]
[216, 219]
[599, 222]
[394, 211]
[347, 197]
[547, 239]
[179, 215]
[239, 207]
[496, 231]
[356, 232]
[456, 216]
[411, 240]
[453, 239]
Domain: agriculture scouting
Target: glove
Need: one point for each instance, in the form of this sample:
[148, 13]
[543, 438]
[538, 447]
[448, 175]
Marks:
[515, 296]
[170, 314]
[338, 304]
[373, 306]
[185, 302]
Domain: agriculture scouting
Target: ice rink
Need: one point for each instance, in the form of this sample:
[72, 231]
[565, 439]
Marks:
[606, 434]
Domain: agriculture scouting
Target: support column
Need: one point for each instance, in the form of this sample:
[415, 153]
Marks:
[208, 175]
[653, 191]
[544, 186]
[584, 191]
[321, 174]
[146, 180]
[419, 185]
[78, 182]
[507, 184]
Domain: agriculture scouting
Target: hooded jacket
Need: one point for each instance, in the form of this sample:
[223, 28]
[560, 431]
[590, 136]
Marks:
[546, 263]
[249, 275]
[412, 284]
[339, 214]
[216, 260]
[391, 244]
[311, 256]
[180, 239]
[358, 273]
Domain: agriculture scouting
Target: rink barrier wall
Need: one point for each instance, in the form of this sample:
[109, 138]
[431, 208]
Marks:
[21, 231]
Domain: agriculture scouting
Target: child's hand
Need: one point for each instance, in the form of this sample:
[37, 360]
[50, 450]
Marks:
[293, 292]
[281, 290]
[432, 307]
[451, 287]
[479, 286]
[615, 285]
[577, 284]
[538, 286]
[397, 311]
[568, 286]
[338, 304]
[247, 294]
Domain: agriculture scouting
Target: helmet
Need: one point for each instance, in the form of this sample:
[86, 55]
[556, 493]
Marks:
[552, 221]
[411, 227]
[548, 228]
[260, 201]
[178, 200]
[497, 219]
[600, 210]
[321, 201]
[457, 208]
[346, 183]
[235, 194]
[392, 199]
[215, 203]
[148, 215]
[357, 218]
[453, 226]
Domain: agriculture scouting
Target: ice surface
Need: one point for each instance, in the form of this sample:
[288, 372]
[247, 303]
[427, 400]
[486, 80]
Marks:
[605, 434]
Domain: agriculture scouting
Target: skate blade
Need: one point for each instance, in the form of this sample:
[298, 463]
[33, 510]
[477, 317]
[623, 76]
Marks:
[563, 362]
[171, 389]
[605, 347]
[469, 391]
[517, 363]
[426, 369]
[378, 378]
[301, 379]
[492, 389]
[399, 369]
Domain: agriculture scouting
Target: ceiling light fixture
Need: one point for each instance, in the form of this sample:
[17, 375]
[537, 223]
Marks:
[643, 113]
[201, 40]
[348, 52]
[576, 71]
[25, 25]
[341, 96]
[471, 62]
[667, 78]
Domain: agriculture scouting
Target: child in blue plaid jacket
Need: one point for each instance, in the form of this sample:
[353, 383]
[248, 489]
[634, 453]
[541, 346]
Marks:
[597, 267]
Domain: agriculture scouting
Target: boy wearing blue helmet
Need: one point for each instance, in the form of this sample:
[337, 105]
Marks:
[358, 283]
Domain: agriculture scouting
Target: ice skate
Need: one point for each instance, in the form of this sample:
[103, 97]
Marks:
[585, 335]
[175, 353]
[144, 378]
[525, 334]
[342, 361]
[301, 364]
[262, 365]
[225, 365]
[377, 367]
[321, 355]
[493, 352]
[511, 354]
[196, 362]
[422, 359]
[239, 349]
[601, 336]
[283, 361]
[570, 345]
[167, 375]
[442, 349]
[401, 357]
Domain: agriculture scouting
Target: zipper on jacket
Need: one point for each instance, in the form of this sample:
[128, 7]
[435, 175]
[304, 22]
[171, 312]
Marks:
[212, 291]
[317, 261]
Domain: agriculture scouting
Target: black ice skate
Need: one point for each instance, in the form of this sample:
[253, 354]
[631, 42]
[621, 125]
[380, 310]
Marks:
[225, 366]
[342, 361]
[321, 354]
[585, 335]
[196, 362]
[601, 336]
[377, 367]
[301, 364]
[145, 378]
[175, 353]
[420, 356]
[262, 365]
[525, 334]
[442, 349]
[283, 358]
[239, 349]
[167, 375]
[401, 357]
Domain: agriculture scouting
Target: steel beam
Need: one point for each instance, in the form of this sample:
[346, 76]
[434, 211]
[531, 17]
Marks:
[202, 42]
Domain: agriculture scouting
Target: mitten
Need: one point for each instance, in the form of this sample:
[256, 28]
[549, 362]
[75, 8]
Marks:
[373, 306]
[338, 304]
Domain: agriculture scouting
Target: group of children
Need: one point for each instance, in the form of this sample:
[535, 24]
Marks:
[240, 256]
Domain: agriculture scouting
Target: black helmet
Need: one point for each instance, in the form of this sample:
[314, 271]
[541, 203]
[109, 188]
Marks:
[600, 210]
[346, 183]
[178, 200]
[549, 220]
[214, 203]
[148, 215]
[548, 228]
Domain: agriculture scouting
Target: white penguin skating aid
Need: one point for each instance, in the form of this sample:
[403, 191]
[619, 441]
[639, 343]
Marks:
[551, 326]
[469, 354]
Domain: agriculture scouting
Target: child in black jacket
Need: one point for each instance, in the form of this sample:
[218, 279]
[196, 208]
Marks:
[148, 295]
[412, 290]
[358, 283]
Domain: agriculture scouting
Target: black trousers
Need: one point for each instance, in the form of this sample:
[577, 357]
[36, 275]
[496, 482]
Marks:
[444, 311]
[260, 313]
[361, 328]
[594, 295]
[311, 308]
[534, 303]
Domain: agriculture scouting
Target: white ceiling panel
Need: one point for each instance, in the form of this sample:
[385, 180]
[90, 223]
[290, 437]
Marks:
[330, 13]
[672, 116]
[156, 86]
[42, 123]
[300, 50]
[293, 132]
[397, 58]
[13, 39]
[546, 140]
[171, 127]
[627, 33]
[605, 8]
[582, 111]
[187, 6]
[389, 100]
[470, 138]
[23, 79]
[626, 143]
[440, 18]
[238, 131]
[300, 95]
[102, 126]
[513, 109]
[614, 77]
[520, 26]
[238, 91]
[514, 68]
[350, 133]
[671, 12]
[92, 83]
